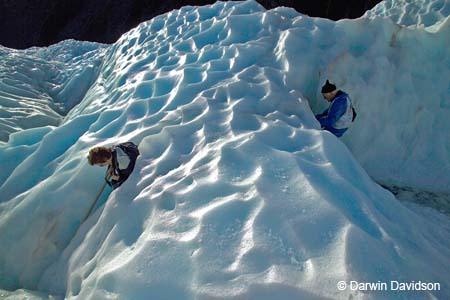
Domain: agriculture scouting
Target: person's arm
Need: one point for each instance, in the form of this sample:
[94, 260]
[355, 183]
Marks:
[322, 118]
[337, 110]
[110, 176]
[323, 114]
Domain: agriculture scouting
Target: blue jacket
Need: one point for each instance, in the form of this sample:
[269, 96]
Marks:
[338, 116]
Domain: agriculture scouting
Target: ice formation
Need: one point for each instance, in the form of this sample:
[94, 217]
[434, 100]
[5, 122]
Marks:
[237, 194]
[40, 85]
[415, 14]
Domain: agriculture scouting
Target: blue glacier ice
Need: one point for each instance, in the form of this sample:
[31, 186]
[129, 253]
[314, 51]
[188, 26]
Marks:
[38, 86]
[237, 193]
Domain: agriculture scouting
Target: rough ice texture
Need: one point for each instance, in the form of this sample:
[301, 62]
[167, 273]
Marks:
[237, 194]
[23, 294]
[39, 86]
[417, 13]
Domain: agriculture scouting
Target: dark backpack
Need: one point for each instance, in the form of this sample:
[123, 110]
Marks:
[132, 151]
[354, 114]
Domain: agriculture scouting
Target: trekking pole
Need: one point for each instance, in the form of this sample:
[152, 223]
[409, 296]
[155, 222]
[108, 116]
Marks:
[93, 204]
[90, 209]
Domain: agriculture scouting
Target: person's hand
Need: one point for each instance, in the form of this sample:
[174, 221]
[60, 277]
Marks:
[109, 174]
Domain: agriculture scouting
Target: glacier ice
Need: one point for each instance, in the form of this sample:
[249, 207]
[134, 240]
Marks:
[38, 86]
[426, 14]
[237, 194]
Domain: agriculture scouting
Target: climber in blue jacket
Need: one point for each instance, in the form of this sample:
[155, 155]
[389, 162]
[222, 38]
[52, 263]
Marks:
[340, 114]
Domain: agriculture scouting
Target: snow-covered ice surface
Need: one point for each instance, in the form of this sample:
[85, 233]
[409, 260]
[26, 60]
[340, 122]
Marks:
[437, 201]
[418, 13]
[22, 294]
[237, 194]
[38, 86]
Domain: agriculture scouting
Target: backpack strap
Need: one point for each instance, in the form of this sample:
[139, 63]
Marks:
[113, 166]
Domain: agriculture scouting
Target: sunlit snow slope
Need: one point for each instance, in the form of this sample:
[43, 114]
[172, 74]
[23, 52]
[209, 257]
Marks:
[237, 194]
